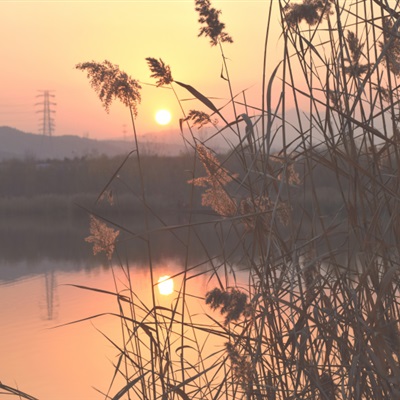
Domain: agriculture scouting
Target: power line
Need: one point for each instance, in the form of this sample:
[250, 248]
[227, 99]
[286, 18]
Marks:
[15, 112]
[14, 105]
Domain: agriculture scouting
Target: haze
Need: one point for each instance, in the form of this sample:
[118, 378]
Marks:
[43, 41]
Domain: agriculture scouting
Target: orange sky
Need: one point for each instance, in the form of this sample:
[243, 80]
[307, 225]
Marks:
[42, 41]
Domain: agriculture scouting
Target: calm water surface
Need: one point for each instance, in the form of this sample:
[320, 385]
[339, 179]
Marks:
[53, 362]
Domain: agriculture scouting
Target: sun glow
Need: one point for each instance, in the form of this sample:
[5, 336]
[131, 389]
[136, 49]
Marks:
[163, 117]
[165, 285]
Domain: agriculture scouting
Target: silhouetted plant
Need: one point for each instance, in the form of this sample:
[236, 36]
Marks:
[200, 118]
[392, 42]
[102, 237]
[242, 368]
[355, 68]
[231, 302]
[217, 178]
[312, 11]
[160, 71]
[111, 83]
[319, 266]
[214, 28]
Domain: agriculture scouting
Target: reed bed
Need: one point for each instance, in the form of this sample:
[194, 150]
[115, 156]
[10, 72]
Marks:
[317, 314]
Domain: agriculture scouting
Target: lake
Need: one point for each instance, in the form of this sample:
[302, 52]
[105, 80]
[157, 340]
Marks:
[38, 262]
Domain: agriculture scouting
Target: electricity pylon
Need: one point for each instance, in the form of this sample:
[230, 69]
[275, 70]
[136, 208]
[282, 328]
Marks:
[47, 122]
[50, 280]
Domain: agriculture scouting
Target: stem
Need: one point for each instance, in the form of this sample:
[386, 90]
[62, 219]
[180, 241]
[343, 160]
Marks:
[149, 252]
[229, 84]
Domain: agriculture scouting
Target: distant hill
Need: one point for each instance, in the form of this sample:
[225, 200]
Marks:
[15, 144]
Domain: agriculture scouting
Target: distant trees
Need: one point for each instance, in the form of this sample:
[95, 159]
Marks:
[165, 178]
[87, 175]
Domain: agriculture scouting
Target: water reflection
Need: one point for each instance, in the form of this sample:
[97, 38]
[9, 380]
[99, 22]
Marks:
[33, 246]
[165, 285]
[38, 264]
[67, 362]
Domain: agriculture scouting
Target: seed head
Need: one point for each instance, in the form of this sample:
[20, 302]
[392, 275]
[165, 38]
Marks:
[312, 11]
[392, 40]
[160, 71]
[232, 302]
[355, 68]
[213, 28]
[242, 367]
[200, 118]
[218, 199]
[213, 167]
[217, 177]
[102, 237]
[107, 195]
[384, 92]
[111, 83]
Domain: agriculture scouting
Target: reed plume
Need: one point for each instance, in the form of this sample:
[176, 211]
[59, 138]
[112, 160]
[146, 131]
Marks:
[312, 11]
[355, 68]
[214, 28]
[318, 254]
[200, 118]
[217, 178]
[102, 237]
[160, 71]
[392, 41]
[231, 302]
[110, 83]
[242, 368]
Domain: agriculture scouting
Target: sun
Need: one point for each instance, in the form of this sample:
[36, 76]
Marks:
[165, 285]
[163, 117]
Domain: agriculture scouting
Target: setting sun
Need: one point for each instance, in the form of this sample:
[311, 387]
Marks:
[165, 285]
[163, 117]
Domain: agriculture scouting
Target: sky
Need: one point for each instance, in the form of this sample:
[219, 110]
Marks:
[42, 41]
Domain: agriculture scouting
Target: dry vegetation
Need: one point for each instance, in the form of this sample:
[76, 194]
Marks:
[318, 316]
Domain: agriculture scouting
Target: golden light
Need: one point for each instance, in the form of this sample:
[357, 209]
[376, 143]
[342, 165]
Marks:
[165, 285]
[163, 117]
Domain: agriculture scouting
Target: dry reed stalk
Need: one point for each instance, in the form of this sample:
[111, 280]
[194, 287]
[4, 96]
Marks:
[317, 316]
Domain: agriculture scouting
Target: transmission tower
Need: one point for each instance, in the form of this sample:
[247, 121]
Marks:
[47, 122]
[50, 282]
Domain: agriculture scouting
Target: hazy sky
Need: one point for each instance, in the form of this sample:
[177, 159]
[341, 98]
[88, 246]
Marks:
[42, 41]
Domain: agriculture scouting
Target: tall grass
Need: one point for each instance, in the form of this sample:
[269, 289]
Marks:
[317, 316]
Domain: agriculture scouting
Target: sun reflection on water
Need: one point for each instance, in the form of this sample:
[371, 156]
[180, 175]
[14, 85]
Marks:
[165, 285]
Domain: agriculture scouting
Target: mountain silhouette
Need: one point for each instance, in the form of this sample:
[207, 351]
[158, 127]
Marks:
[15, 144]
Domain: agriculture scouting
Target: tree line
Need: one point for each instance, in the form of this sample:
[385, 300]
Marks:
[165, 179]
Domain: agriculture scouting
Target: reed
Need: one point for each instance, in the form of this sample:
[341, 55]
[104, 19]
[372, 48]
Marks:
[317, 316]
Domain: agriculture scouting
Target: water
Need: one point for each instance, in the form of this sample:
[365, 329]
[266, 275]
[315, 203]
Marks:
[40, 354]
[49, 363]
